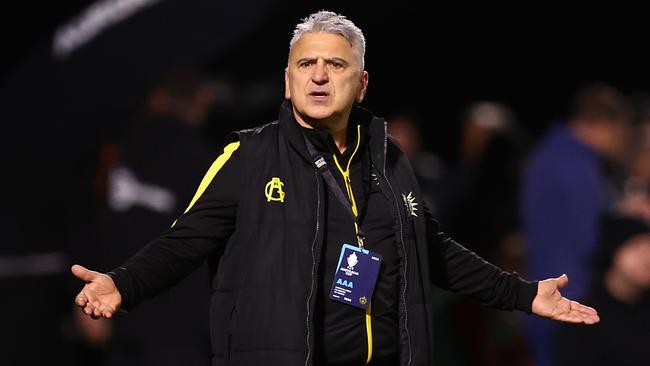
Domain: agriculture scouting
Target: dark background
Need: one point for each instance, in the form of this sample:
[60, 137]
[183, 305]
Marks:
[432, 60]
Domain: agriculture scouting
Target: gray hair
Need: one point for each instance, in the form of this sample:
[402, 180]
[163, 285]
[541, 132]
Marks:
[330, 22]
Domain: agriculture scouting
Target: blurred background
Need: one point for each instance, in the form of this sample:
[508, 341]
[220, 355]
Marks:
[528, 126]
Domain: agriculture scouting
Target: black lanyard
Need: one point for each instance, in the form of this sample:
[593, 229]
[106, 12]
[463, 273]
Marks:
[321, 165]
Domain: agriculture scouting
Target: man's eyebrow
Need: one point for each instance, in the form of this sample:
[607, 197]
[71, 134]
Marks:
[337, 59]
[306, 59]
[329, 59]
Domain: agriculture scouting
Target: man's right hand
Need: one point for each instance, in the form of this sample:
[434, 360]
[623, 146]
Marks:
[99, 298]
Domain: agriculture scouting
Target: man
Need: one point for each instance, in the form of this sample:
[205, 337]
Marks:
[564, 192]
[301, 217]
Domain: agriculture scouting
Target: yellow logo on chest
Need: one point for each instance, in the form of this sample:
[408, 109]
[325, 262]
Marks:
[273, 190]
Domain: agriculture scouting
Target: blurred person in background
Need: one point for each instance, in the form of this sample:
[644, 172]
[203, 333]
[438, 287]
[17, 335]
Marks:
[59, 108]
[275, 212]
[567, 185]
[484, 211]
[620, 290]
[429, 169]
[484, 214]
[149, 179]
[636, 186]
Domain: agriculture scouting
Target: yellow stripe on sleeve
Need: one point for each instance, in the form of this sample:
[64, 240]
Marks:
[212, 172]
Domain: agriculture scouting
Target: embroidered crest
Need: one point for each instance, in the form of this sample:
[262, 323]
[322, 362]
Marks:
[409, 202]
[273, 190]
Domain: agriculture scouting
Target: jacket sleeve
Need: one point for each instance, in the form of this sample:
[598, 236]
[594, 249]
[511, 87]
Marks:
[455, 268]
[203, 229]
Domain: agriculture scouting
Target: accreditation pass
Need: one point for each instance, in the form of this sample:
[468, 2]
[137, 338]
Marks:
[355, 276]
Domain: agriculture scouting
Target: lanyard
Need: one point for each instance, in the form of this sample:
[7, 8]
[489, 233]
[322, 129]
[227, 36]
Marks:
[321, 165]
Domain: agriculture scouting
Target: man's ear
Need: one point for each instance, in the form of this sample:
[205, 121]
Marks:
[287, 92]
[363, 87]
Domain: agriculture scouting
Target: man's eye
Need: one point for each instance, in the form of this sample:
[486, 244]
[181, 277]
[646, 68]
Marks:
[336, 65]
[304, 64]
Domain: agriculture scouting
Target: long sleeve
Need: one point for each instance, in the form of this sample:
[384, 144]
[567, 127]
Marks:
[455, 268]
[202, 230]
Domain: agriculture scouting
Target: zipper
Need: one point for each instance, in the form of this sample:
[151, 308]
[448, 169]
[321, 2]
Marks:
[229, 342]
[313, 266]
[401, 234]
[228, 350]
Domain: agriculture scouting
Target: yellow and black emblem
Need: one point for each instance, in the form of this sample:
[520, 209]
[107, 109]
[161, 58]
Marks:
[273, 190]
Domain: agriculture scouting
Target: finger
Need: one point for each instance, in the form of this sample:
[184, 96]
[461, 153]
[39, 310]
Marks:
[562, 281]
[586, 310]
[588, 319]
[589, 315]
[81, 300]
[97, 313]
[88, 309]
[83, 273]
[570, 318]
[578, 316]
[96, 306]
[105, 311]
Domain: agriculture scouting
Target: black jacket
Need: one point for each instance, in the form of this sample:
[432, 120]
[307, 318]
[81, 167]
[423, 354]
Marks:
[264, 284]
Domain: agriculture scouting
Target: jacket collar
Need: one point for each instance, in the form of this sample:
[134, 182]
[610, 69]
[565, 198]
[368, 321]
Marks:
[375, 126]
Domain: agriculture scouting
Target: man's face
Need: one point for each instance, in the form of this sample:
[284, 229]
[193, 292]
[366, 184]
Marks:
[324, 78]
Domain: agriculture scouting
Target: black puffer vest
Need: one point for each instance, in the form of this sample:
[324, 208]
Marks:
[265, 285]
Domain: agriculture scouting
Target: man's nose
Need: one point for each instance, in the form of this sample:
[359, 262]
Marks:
[319, 75]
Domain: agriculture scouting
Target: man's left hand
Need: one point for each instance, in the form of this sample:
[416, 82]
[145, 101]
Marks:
[550, 303]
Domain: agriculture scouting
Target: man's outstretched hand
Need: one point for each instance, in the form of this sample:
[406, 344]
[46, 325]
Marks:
[99, 298]
[550, 303]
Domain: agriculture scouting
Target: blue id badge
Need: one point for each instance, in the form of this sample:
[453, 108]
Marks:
[355, 276]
